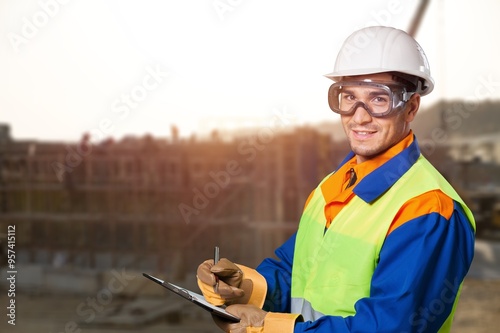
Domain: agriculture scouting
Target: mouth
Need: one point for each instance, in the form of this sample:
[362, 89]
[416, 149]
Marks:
[363, 134]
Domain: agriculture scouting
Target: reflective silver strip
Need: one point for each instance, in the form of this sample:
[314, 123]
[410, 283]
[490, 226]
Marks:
[304, 307]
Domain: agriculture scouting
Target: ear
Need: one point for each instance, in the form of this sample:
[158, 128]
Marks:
[412, 107]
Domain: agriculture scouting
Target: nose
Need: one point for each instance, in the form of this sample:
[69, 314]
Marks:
[361, 115]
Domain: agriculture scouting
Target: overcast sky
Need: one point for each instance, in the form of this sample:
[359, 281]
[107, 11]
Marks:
[114, 68]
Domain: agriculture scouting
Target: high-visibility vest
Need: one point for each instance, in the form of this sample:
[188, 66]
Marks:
[333, 269]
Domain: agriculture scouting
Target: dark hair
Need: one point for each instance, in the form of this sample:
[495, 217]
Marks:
[409, 81]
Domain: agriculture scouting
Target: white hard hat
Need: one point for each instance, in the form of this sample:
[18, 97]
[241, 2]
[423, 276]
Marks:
[383, 49]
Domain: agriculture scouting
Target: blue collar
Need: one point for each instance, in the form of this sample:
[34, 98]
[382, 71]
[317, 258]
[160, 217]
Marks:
[381, 179]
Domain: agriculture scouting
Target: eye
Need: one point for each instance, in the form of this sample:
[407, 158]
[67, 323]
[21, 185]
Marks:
[380, 100]
[348, 97]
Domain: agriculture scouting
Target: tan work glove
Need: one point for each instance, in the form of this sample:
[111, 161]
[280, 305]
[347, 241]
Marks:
[256, 320]
[237, 284]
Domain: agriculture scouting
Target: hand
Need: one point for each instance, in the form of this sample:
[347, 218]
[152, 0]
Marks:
[230, 279]
[250, 316]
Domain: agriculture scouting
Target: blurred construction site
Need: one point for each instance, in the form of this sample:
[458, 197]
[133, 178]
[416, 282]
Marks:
[88, 215]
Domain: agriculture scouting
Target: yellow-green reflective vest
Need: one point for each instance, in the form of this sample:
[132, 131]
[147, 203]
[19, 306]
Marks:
[326, 280]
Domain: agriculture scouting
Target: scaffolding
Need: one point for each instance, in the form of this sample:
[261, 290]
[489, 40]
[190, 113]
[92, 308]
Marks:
[157, 204]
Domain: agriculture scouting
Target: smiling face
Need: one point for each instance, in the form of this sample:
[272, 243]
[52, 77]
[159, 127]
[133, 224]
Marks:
[369, 136]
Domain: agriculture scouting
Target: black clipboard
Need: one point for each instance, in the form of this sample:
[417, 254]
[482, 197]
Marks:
[195, 298]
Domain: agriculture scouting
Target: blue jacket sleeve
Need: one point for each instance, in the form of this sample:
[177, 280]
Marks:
[421, 267]
[278, 275]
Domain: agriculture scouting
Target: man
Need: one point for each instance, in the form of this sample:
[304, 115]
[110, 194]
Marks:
[384, 242]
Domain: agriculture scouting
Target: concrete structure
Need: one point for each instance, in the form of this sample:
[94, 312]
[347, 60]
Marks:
[158, 204]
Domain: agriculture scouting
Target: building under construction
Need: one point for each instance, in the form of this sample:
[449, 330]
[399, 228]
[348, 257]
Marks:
[158, 204]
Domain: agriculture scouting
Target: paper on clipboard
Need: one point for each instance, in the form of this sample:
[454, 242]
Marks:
[195, 298]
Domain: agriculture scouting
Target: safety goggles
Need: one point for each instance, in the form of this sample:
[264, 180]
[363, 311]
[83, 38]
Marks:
[378, 99]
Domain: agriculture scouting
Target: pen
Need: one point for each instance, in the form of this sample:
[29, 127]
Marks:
[216, 260]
